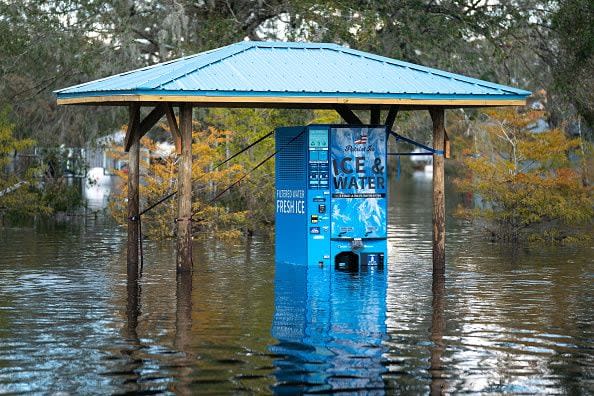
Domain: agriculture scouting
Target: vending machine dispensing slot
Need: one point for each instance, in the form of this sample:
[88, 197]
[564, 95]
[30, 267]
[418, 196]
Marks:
[331, 195]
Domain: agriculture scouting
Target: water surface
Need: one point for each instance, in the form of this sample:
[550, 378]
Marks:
[504, 320]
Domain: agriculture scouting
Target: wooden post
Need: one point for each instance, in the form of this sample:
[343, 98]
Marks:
[133, 191]
[438, 117]
[438, 326]
[184, 192]
[133, 344]
[132, 308]
[183, 334]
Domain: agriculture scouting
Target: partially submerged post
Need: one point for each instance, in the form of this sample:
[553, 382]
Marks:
[136, 130]
[133, 141]
[184, 192]
[438, 118]
[248, 74]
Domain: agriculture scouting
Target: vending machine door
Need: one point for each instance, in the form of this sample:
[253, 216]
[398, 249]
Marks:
[358, 182]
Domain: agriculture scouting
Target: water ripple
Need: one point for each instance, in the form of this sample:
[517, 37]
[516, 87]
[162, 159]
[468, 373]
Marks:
[507, 320]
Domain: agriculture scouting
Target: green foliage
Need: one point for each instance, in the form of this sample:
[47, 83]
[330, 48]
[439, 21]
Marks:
[48, 45]
[18, 194]
[525, 181]
[59, 196]
[26, 187]
[572, 68]
[255, 194]
[9, 145]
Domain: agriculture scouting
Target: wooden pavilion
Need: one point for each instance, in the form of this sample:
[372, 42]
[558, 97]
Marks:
[280, 75]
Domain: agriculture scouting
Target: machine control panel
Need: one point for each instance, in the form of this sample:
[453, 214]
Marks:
[318, 169]
[318, 194]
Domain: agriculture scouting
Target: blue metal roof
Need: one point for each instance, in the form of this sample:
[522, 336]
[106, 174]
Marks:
[293, 73]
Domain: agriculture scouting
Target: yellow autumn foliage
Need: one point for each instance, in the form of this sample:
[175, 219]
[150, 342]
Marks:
[527, 184]
[159, 178]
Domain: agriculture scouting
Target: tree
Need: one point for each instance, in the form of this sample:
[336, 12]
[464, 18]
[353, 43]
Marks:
[573, 64]
[526, 183]
[159, 179]
[60, 43]
[18, 194]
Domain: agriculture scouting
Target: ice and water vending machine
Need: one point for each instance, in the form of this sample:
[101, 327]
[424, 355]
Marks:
[331, 195]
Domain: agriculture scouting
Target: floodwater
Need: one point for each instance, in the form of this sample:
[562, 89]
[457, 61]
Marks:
[504, 320]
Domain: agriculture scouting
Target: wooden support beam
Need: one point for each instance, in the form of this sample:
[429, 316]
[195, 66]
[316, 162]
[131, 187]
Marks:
[133, 123]
[391, 118]
[173, 127]
[307, 102]
[347, 114]
[438, 118]
[151, 119]
[133, 192]
[184, 193]
[145, 125]
[375, 115]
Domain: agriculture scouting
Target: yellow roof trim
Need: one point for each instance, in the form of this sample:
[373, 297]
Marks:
[226, 100]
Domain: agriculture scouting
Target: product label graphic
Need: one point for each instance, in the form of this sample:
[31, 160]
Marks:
[358, 183]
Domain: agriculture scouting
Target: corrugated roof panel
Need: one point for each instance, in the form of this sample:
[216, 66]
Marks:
[291, 69]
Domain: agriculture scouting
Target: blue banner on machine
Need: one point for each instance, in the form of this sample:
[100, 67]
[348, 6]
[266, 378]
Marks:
[358, 184]
[331, 196]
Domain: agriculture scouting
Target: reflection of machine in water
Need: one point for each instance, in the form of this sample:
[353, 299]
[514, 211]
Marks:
[330, 325]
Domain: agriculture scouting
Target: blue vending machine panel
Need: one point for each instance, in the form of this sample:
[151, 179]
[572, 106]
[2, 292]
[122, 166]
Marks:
[358, 187]
[331, 204]
[291, 195]
[358, 192]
